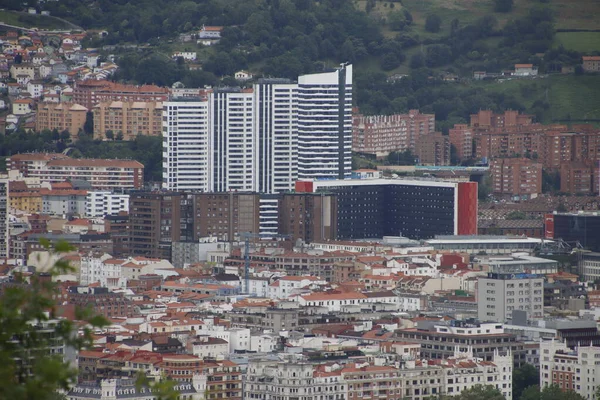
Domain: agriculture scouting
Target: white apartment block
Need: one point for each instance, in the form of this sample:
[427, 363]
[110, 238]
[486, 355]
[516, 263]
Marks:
[4, 217]
[64, 202]
[319, 120]
[417, 379]
[186, 145]
[93, 268]
[101, 204]
[251, 139]
[576, 370]
[499, 294]
[231, 140]
[275, 127]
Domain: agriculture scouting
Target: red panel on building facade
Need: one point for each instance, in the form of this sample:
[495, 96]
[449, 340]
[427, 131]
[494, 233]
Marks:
[467, 208]
[549, 226]
[304, 187]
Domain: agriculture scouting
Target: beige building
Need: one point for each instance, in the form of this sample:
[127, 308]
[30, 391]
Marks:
[61, 116]
[131, 118]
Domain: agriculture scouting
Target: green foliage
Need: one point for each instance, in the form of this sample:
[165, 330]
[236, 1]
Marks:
[28, 330]
[397, 20]
[550, 181]
[525, 376]
[433, 23]
[405, 157]
[479, 392]
[517, 215]
[145, 149]
[549, 393]
[503, 5]
[484, 189]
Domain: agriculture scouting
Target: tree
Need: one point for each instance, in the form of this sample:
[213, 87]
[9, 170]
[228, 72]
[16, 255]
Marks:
[110, 135]
[417, 61]
[483, 189]
[119, 136]
[65, 136]
[88, 126]
[433, 23]
[503, 5]
[479, 392]
[397, 20]
[525, 376]
[552, 392]
[27, 368]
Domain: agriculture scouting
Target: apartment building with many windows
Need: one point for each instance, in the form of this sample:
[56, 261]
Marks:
[186, 135]
[231, 140]
[62, 117]
[100, 173]
[127, 118]
[501, 293]
[325, 124]
[383, 134]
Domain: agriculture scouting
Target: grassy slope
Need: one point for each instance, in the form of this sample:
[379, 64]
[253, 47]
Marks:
[42, 21]
[584, 42]
[571, 96]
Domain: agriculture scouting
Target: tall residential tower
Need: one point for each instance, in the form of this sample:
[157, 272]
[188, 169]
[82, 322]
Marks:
[325, 124]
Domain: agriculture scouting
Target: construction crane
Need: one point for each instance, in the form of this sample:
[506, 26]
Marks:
[246, 236]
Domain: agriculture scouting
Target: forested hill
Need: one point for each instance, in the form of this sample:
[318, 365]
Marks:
[291, 34]
[430, 47]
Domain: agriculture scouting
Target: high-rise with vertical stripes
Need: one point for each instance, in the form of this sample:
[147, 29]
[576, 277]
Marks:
[325, 124]
[260, 139]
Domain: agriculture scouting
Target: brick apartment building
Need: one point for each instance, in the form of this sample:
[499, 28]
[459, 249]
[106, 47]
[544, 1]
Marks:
[225, 215]
[61, 116]
[433, 149]
[131, 118]
[516, 176]
[308, 216]
[100, 173]
[118, 228]
[156, 219]
[579, 177]
[461, 137]
[91, 92]
[383, 134]
[486, 119]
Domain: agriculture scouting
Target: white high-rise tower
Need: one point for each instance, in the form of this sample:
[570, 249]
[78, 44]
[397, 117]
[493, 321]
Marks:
[325, 124]
[231, 140]
[276, 135]
[186, 133]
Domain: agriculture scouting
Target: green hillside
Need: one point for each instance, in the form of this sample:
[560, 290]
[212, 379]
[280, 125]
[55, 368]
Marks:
[569, 98]
[429, 41]
[26, 20]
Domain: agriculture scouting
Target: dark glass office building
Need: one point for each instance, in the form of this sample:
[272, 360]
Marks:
[373, 208]
[570, 227]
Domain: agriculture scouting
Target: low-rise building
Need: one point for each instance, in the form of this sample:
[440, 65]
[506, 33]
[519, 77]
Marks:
[100, 173]
[591, 63]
